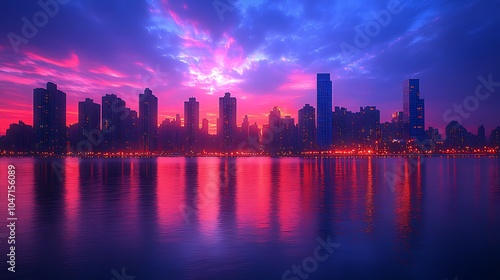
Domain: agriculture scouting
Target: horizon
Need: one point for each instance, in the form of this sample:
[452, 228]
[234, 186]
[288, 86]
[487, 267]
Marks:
[264, 54]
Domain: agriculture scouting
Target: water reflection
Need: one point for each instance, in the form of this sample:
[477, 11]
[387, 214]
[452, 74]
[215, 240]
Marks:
[248, 217]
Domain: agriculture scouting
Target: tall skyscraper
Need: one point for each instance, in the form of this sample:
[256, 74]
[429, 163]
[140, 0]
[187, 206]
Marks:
[204, 126]
[113, 114]
[191, 122]
[226, 125]
[89, 118]
[370, 124]
[130, 131]
[324, 106]
[148, 121]
[49, 119]
[481, 136]
[307, 127]
[413, 109]
[274, 131]
[495, 137]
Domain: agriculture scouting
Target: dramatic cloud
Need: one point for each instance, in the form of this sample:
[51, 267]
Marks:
[266, 53]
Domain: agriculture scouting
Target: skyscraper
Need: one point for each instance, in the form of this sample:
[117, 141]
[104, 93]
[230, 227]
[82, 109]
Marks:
[49, 119]
[307, 127]
[481, 136]
[113, 114]
[324, 107]
[370, 124]
[413, 109]
[227, 121]
[191, 122]
[89, 118]
[148, 121]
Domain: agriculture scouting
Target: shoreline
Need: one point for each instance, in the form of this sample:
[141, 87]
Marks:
[259, 156]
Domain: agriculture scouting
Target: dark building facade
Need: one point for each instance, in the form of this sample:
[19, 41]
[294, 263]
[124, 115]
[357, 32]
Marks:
[49, 119]
[191, 123]
[148, 121]
[113, 113]
[307, 128]
[413, 109]
[324, 119]
[370, 124]
[495, 137]
[19, 137]
[226, 124]
[89, 118]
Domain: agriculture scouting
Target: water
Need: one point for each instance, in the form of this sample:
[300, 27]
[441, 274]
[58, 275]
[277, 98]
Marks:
[254, 218]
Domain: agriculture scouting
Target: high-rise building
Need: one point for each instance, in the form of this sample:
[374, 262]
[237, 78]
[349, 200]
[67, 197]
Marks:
[191, 122]
[89, 118]
[343, 127]
[288, 135]
[49, 119]
[226, 124]
[204, 126]
[324, 119]
[307, 128]
[113, 113]
[495, 137]
[370, 124]
[130, 131]
[148, 121]
[481, 136]
[413, 109]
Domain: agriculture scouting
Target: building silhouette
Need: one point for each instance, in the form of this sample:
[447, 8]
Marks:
[307, 128]
[19, 137]
[495, 137]
[191, 123]
[171, 135]
[413, 109]
[49, 119]
[113, 113]
[130, 131]
[324, 112]
[226, 124]
[148, 121]
[89, 118]
[481, 136]
[370, 124]
[343, 127]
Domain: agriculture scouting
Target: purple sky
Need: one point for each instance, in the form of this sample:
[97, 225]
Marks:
[266, 53]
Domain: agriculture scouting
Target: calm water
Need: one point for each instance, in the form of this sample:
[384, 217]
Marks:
[255, 218]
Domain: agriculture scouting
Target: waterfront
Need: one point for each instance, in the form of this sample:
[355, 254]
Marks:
[255, 218]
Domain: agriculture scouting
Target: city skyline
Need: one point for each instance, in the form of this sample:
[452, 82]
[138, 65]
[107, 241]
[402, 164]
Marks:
[415, 100]
[188, 50]
[342, 130]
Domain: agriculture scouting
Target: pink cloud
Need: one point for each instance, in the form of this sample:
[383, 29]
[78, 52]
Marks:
[72, 62]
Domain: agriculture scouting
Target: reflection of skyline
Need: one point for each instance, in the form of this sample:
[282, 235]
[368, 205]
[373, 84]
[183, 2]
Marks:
[131, 206]
[222, 188]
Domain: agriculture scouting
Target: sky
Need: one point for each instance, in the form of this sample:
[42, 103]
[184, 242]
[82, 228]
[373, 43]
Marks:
[266, 53]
